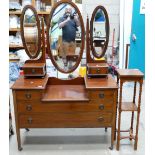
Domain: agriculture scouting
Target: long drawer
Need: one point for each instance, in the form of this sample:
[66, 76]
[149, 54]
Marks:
[68, 120]
[38, 106]
[28, 95]
[103, 96]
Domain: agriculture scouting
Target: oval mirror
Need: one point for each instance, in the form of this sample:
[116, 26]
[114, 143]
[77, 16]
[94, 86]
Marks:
[99, 32]
[65, 36]
[30, 31]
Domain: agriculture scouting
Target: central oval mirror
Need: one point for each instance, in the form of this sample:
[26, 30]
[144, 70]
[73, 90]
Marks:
[65, 36]
[30, 31]
[99, 32]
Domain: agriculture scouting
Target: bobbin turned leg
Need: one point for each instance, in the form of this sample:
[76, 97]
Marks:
[132, 117]
[138, 115]
[116, 110]
[118, 132]
[119, 116]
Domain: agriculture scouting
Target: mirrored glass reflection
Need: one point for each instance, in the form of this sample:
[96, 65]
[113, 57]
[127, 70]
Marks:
[30, 32]
[99, 32]
[65, 36]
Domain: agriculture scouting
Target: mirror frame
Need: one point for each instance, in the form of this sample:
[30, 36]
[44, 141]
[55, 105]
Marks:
[82, 37]
[22, 31]
[107, 29]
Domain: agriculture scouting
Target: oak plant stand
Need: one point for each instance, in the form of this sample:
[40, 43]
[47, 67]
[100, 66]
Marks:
[129, 75]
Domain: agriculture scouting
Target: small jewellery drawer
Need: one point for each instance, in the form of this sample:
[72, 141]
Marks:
[41, 107]
[56, 120]
[28, 95]
[98, 70]
[34, 71]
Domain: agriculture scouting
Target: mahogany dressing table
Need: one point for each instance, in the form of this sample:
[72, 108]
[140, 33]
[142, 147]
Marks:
[49, 102]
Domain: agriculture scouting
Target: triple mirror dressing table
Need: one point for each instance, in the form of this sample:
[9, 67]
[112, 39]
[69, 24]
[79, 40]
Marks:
[41, 101]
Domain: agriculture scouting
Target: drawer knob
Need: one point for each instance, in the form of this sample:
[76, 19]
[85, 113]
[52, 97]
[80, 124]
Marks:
[29, 120]
[101, 106]
[98, 70]
[29, 107]
[101, 95]
[33, 71]
[101, 119]
[28, 96]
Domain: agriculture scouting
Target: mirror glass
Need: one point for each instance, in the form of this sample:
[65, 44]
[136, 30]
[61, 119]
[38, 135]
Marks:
[65, 35]
[30, 28]
[100, 33]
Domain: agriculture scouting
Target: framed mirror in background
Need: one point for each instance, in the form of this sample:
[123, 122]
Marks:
[30, 31]
[65, 36]
[99, 32]
[33, 38]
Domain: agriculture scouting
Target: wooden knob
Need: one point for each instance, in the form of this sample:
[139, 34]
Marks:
[28, 96]
[100, 119]
[29, 107]
[101, 95]
[29, 120]
[101, 106]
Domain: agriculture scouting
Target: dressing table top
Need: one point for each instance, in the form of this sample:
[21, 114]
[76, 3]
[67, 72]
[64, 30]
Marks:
[30, 83]
[100, 83]
[129, 73]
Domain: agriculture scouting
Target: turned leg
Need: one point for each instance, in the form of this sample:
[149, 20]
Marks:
[16, 121]
[115, 123]
[118, 132]
[132, 117]
[112, 138]
[119, 117]
[116, 110]
[131, 128]
[18, 139]
[138, 115]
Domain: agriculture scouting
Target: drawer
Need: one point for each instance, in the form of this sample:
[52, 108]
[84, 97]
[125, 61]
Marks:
[105, 96]
[68, 120]
[28, 95]
[41, 107]
[98, 70]
[34, 71]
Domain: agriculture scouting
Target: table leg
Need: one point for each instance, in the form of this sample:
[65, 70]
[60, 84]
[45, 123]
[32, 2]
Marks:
[112, 138]
[18, 139]
[119, 117]
[138, 115]
[116, 109]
